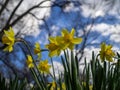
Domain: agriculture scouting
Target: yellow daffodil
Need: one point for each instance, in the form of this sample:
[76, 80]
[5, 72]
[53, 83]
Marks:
[63, 87]
[90, 86]
[106, 52]
[59, 43]
[44, 67]
[37, 50]
[8, 39]
[55, 46]
[52, 85]
[69, 39]
[29, 61]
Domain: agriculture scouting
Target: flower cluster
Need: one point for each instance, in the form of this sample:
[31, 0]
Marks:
[59, 43]
[56, 45]
[43, 66]
[53, 86]
[9, 40]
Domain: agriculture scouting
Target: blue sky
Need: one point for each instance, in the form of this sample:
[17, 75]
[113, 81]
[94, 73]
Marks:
[105, 27]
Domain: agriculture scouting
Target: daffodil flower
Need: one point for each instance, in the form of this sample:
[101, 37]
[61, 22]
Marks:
[63, 87]
[59, 43]
[52, 85]
[8, 39]
[69, 39]
[44, 67]
[56, 46]
[106, 52]
[90, 86]
[37, 50]
[29, 61]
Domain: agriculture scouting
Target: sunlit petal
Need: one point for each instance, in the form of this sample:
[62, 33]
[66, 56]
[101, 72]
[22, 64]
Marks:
[77, 40]
[72, 31]
[29, 61]
[64, 32]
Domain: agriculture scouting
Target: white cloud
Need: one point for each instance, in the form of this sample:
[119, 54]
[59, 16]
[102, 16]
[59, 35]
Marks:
[58, 68]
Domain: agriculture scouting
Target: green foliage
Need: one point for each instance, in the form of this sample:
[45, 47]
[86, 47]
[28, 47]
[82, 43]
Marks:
[99, 74]
[12, 84]
[71, 71]
[104, 76]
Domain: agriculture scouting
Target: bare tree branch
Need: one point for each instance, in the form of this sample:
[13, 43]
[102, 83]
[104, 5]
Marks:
[86, 34]
[20, 17]
[35, 16]
[12, 14]
[24, 14]
[3, 6]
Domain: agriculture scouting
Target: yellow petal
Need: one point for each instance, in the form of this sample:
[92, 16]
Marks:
[36, 51]
[45, 61]
[71, 46]
[39, 55]
[46, 46]
[58, 40]
[108, 58]
[37, 45]
[76, 40]
[90, 87]
[5, 40]
[64, 31]
[52, 53]
[29, 58]
[72, 32]
[103, 46]
[58, 52]
[30, 65]
[52, 39]
[8, 48]
[11, 32]
[7, 33]
[37, 48]
[52, 46]
[109, 47]
[29, 61]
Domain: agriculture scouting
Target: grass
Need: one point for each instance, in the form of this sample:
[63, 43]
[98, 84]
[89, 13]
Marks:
[104, 76]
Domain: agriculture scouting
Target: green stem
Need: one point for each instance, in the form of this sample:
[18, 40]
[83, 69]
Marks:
[28, 47]
[35, 77]
[53, 70]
